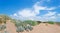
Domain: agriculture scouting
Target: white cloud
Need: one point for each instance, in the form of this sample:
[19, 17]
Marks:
[15, 14]
[37, 7]
[26, 13]
[50, 13]
[34, 11]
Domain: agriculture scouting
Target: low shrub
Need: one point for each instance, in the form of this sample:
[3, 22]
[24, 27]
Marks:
[20, 29]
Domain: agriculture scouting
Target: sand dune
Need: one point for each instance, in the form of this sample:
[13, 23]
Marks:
[41, 28]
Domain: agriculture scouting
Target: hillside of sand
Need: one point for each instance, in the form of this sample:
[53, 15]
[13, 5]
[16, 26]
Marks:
[41, 28]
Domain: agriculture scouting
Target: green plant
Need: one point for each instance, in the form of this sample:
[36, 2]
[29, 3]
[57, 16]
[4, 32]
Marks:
[28, 27]
[30, 22]
[20, 29]
[2, 27]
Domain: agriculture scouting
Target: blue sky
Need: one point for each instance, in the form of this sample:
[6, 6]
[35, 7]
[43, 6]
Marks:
[43, 10]
[11, 6]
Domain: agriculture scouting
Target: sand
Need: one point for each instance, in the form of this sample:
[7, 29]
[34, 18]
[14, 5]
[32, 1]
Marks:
[10, 27]
[41, 28]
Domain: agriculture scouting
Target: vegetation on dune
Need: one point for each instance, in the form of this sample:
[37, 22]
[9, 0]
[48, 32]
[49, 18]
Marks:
[50, 22]
[30, 22]
[21, 26]
[20, 29]
[28, 27]
[3, 19]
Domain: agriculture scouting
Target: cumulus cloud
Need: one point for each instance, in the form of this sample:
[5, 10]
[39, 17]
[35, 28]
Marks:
[26, 13]
[32, 13]
[37, 7]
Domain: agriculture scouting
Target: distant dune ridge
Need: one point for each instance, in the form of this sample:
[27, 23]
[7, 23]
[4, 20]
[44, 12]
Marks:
[41, 28]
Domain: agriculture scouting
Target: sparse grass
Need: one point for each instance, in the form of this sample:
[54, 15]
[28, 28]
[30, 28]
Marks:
[50, 22]
[30, 22]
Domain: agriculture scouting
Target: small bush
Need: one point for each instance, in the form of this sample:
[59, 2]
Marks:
[20, 29]
[3, 27]
[28, 28]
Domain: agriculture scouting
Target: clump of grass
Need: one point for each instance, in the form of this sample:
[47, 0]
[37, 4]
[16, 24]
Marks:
[30, 22]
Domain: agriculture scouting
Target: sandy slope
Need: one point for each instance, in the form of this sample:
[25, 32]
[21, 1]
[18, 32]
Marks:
[41, 28]
[10, 27]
